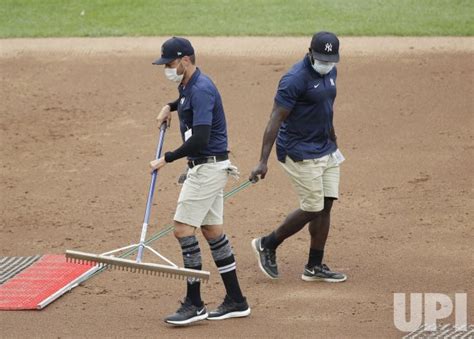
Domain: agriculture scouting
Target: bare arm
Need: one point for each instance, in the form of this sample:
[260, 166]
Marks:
[279, 114]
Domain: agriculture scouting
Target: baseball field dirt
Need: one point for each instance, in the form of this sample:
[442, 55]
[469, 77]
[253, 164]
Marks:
[77, 129]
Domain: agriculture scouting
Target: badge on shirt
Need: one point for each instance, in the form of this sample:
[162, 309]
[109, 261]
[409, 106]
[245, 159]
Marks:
[338, 157]
[188, 134]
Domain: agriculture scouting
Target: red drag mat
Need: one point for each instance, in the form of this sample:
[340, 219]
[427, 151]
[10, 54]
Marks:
[29, 288]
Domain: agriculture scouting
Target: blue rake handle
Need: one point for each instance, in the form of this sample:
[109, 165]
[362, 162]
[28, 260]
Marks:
[151, 191]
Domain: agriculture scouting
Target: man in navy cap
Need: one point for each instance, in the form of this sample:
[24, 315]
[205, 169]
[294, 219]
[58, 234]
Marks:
[302, 125]
[201, 201]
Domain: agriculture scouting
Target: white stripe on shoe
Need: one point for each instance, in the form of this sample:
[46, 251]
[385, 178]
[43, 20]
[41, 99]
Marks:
[235, 314]
[319, 279]
[188, 321]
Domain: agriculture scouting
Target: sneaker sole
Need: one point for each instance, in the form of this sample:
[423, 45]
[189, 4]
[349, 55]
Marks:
[318, 279]
[188, 321]
[257, 253]
[237, 314]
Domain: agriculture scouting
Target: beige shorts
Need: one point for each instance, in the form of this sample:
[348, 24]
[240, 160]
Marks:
[201, 201]
[314, 180]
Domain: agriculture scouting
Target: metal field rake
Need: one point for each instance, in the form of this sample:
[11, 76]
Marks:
[109, 260]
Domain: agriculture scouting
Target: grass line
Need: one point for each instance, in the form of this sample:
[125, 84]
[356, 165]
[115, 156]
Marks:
[59, 18]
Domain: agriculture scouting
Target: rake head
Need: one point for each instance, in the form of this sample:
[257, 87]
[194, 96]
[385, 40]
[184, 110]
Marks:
[112, 262]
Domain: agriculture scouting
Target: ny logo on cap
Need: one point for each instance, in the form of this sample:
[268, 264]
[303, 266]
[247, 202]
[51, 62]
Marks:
[328, 47]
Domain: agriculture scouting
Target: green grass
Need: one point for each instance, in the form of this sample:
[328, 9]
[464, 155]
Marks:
[54, 18]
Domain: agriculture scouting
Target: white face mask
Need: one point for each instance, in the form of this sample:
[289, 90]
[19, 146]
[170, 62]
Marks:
[323, 67]
[172, 74]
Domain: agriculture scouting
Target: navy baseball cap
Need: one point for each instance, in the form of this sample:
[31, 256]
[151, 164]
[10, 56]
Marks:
[325, 47]
[174, 48]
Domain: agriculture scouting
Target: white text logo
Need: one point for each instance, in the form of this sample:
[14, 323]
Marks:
[436, 306]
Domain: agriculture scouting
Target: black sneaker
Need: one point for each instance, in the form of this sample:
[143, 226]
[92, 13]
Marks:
[230, 309]
[187, 314]
[322, 273]
[266, 259]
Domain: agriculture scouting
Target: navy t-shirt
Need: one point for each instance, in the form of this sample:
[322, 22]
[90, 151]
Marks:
[200, 104]
[309, 96]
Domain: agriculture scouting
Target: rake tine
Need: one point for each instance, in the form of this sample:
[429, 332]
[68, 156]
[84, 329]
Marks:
[111, 262]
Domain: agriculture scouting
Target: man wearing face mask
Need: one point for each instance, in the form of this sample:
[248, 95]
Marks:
[201, 201]
[302, 125]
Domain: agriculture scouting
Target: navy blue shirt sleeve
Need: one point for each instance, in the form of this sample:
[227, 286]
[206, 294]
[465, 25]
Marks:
[202, 103]
[290, 88]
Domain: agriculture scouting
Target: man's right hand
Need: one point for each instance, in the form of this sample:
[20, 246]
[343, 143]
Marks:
[164, 116]
[259, 170]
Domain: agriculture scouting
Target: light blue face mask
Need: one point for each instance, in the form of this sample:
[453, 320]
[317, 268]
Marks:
[322, 67]
[172, 74]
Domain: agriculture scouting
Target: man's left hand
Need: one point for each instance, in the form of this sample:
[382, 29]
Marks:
[157, 164]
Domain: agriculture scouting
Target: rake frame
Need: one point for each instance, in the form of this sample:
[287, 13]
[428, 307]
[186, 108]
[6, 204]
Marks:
[110, 261]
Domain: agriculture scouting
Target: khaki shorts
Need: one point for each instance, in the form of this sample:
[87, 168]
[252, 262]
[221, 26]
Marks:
[201, 201]
[313, 180]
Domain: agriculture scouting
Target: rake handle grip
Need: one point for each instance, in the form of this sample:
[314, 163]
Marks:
[151, 192]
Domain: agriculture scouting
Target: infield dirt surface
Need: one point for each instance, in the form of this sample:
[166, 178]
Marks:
[77, 130]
